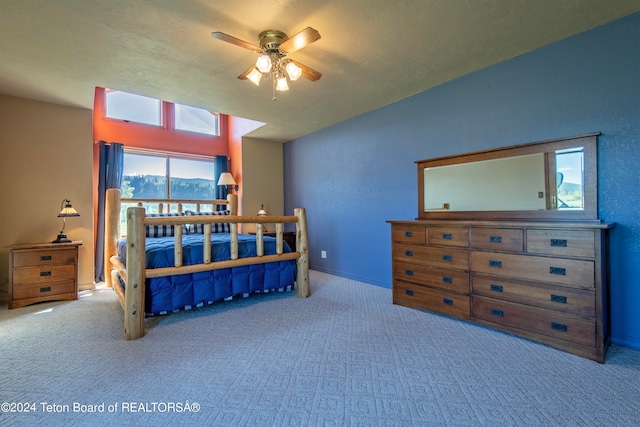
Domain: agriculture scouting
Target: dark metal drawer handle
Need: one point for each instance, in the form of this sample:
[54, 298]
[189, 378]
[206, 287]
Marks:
[45, 258]
[560, 243]
[559, 298]
[447, 258]
[558, 271]
[408, 292]
[408, 234]
[559, 327]
[447, 236]
[45, 273]
[408, 272]
[497, 313]
[496, 288]
[47, 289]
[495, 239]
[495, 264]
[408, 253]
[447, 279]
[447, 301]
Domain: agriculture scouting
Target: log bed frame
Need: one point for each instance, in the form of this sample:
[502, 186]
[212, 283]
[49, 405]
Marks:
[132, 298]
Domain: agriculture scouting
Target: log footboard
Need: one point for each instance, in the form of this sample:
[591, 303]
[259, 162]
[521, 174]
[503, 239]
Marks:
[132, 297]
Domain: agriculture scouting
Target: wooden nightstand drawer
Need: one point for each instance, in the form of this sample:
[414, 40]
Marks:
[423, 298]
[34, 275]
[43, 257]
[44, 289]
[579, 243]
[538, 320]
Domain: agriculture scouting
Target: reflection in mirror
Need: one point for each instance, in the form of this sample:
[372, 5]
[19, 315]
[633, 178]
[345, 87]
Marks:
[570, 179]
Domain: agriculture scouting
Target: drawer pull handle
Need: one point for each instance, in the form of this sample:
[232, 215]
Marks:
[408, 234]
[497, 313]
[447, 279]
[408, 292]
[558, 271]
[408, 272]
[45, 258]
[47, 289]
[408, 253]
[559, 298]
[496, 288]
[447, 258]
[559, 243]
[447, 301]
[495, 239]
[45, 273]
[495, 264]
[559, 327]
[447, 236]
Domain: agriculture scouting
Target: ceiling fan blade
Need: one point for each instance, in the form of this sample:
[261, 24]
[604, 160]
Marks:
[244, 75]
[233, 40]
[300, 40]
[308, 72]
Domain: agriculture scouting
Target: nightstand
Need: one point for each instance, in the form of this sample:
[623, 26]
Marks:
[287, 236]
[43, 272]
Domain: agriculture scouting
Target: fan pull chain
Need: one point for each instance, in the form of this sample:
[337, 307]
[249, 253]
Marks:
[273, 80]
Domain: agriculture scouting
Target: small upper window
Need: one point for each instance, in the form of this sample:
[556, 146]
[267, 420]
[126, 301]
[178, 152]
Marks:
[134, 108]
[194, 119]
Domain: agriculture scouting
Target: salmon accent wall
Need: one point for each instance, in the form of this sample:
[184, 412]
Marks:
[161, 138]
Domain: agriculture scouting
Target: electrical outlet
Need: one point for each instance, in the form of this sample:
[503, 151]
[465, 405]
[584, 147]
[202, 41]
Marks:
[323, 254]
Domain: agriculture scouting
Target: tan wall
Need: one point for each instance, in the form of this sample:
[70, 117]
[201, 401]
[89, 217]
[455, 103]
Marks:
[45, 156]
[262, 178]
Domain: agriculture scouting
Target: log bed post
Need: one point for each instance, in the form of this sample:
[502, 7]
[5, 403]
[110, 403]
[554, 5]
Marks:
[302, 278]
[111, 231]
[136, 263]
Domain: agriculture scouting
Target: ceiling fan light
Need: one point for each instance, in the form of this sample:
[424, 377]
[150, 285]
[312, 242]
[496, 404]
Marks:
[282, 84]
[293, 71]
[264, 63]
[255, 76]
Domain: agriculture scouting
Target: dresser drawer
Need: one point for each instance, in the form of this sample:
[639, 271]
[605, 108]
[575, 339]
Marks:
[579, 243]
[420, 297]
[409, 234]
[432, 256]
[576, 273]
[537, 320]
[498, 239]
[45, 274]
[43, 290]
[579, 302]
[451, 280]
[448, 236]
[43, 257]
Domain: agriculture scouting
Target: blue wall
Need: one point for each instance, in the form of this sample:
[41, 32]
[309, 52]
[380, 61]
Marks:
[354, 176]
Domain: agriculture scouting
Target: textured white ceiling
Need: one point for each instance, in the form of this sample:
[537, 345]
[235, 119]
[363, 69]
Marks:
[372, 52]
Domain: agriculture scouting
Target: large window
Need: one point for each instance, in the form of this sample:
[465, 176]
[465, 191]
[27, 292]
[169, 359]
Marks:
[134, 108]
[165, 176]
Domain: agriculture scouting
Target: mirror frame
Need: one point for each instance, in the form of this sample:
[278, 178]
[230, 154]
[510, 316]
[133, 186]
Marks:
[590, 211]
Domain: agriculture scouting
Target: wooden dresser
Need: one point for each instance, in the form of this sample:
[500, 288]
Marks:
[43, 272]
[510, 238]
[543, 281]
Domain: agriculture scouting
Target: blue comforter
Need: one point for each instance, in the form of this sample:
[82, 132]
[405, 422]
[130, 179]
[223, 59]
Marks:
[180, 292]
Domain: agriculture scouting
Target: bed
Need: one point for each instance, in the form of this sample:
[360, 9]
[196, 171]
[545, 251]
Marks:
[175, 260]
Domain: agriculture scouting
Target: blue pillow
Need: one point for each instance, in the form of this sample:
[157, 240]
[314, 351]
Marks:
[163, 230]
[215, 227]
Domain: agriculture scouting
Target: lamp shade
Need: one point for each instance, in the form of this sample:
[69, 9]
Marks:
[226, 179]
[67, 209]
[262, 212]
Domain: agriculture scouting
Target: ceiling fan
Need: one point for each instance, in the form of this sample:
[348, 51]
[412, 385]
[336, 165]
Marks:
[274, 47]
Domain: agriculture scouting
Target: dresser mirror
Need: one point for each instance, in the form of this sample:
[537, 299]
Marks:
[554, 179]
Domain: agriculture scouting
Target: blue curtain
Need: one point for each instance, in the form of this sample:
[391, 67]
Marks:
[220, 166]
[111, 168]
